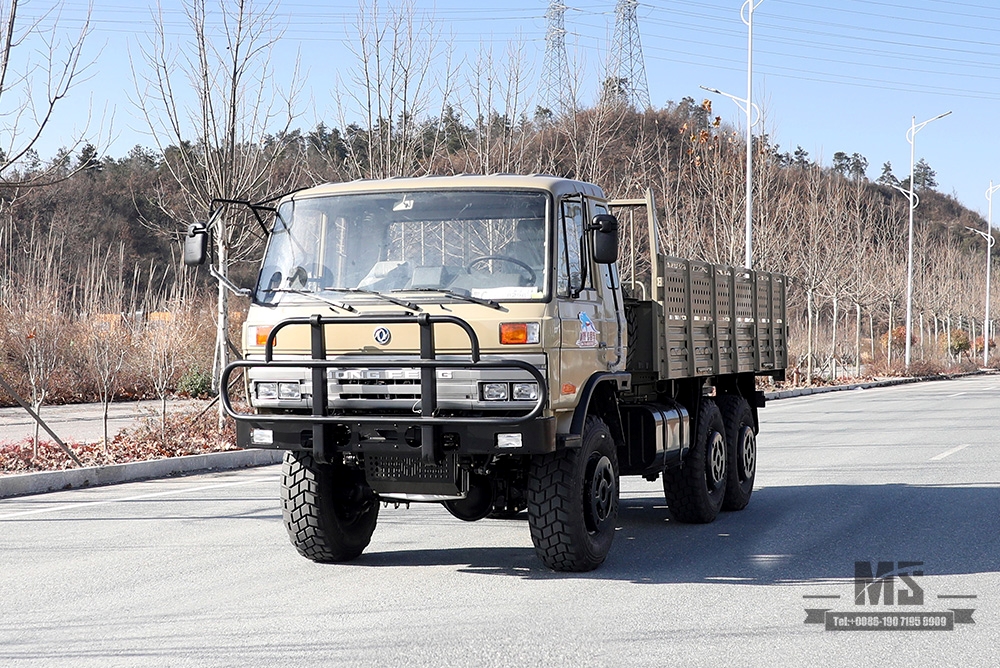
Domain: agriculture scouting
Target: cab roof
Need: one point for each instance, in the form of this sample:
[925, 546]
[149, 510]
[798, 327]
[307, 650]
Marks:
[553, 184]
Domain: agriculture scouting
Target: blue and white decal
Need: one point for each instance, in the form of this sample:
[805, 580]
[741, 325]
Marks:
[588, 332]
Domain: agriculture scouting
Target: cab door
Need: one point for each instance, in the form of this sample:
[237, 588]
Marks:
[611, 309]
[582, 316]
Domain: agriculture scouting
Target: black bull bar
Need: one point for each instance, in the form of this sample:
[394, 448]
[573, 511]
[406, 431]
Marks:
[428, 419]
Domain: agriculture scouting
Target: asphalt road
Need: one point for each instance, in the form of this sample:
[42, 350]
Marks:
[197, 571]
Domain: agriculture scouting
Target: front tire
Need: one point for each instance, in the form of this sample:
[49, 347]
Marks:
[742, 460]
[573, 501]
[695, 491]
[329, 510]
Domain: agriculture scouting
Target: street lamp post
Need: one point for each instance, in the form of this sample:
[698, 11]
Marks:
[748, 107]
[988, 235]
[910, 135]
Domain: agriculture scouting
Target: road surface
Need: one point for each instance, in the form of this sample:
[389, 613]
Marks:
[197, 571]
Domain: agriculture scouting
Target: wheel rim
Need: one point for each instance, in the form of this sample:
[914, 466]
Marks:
[717, 461]
[601, 490]
[748, 453]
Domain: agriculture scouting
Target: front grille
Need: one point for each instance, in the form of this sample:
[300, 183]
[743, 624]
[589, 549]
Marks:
[380, 389]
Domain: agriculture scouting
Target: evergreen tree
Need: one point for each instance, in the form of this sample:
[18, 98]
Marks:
[801, 157]
[841, 163]
[924, 176]
[88, 160]
[858, 166]
[887, 178]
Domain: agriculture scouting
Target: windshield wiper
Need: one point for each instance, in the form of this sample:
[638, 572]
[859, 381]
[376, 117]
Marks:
[456, 295]
[313, 295]
[360, 291]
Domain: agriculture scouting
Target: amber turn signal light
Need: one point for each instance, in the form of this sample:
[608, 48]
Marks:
[261, 334]
[518, 332]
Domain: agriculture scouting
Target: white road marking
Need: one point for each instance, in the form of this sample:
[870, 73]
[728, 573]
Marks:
[950, 396]
[948, 453]
[138, 497]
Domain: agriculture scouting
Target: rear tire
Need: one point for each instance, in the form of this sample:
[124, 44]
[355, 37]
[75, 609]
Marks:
[695, 491]
[329, 510]
[741, 442]
[573, 501]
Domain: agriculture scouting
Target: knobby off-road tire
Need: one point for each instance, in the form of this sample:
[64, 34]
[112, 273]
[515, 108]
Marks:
[329, 510]
[573, 501]
[742, 446]
[695, 491]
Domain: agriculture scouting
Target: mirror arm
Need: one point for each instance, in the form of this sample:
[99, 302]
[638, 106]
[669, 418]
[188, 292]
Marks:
[229, 285]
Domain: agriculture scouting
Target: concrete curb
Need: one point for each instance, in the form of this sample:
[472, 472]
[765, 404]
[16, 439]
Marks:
[22, 484]
[888, 382]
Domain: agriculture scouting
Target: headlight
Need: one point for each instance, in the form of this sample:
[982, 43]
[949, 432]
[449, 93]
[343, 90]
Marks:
[267, 390]
[525, 391]
[495, 391]
[289, 391]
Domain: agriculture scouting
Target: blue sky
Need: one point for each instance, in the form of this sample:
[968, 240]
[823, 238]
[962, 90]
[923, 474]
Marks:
[830, 76]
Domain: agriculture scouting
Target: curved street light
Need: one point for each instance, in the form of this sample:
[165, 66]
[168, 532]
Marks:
[988, 235]
[753, 117]
[910, 135]
[747, 107]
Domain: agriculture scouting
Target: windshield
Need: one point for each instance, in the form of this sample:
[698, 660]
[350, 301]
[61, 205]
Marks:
[483, 244]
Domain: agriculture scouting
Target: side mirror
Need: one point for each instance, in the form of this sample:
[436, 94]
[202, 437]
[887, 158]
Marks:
[195, 244]
[605, 227]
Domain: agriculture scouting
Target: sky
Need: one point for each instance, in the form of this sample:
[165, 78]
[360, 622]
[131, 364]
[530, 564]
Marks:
[830, 76]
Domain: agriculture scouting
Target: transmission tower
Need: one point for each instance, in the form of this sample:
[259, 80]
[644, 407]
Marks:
[626, 79]
[555, 91]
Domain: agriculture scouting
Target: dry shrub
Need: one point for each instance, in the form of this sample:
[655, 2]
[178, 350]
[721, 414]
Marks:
[927, 368]
[187, 330]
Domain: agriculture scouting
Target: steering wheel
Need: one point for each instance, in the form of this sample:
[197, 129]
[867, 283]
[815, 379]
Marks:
[297, 278]
[532, 278]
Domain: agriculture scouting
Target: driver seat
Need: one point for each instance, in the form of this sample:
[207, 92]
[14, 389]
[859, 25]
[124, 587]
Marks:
[528, 244]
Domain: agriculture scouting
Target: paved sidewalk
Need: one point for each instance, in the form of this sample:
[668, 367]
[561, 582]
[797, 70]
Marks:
[885, 382]
[82, 423]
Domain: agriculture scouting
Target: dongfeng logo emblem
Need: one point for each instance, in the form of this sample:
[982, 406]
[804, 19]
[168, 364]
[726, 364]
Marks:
[382, 336]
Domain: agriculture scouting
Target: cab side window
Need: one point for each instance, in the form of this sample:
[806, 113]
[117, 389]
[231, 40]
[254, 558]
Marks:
[571, 274]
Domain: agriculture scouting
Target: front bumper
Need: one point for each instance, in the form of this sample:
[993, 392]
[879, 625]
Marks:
[398, 437]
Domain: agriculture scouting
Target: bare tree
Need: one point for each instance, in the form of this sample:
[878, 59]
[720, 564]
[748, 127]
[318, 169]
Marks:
[390, 86]
[163, 359]
[215, 148]
[498, 92]
[39, 65]
[813, 255]
[106, 328]
[36, 322]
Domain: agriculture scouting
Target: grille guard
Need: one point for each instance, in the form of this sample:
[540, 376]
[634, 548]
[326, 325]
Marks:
[428, 420]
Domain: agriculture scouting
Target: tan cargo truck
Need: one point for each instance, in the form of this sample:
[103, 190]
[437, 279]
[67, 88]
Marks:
[470, 341]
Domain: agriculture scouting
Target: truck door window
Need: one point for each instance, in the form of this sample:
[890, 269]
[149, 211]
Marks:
[572, 276]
